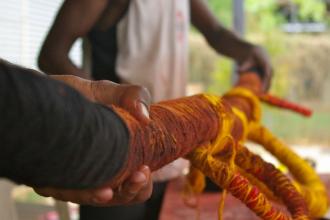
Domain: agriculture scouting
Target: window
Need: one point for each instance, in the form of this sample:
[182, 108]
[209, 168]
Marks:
[23, 27]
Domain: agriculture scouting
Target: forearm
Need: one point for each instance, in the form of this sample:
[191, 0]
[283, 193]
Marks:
[247, 56]
[56, 62]
[74, 20]
[221, 39]
[227, 43]
[52, 136]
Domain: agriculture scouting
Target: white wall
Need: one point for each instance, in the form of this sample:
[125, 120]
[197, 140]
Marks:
[23, 27]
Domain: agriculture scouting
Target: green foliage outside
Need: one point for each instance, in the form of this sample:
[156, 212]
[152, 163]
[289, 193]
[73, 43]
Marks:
[264, 15]
[311, 9]
[301, 65]
[222, 9]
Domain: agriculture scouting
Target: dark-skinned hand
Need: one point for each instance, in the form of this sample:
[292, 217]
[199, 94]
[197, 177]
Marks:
[258, 59]
[138, 187]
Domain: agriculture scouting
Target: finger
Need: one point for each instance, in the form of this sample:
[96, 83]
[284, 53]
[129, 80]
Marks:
[136, 101]
[88, 197]
[105, 92]
[141, 112]
[145, 170]
[75, 196]
[145, 96]
[269, 83]
[268, 78]
[80, 84]
[134, 185]
[246, 66]
[58, 194]
[142, 102]
[136, 108]
[95, 197]
[102, 196]
[145, 193]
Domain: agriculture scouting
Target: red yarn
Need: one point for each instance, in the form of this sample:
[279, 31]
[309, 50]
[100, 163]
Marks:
[281, 103]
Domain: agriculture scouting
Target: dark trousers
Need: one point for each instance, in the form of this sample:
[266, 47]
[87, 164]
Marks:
[146, 211]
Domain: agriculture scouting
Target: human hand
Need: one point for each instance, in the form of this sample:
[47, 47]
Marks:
[136, 189]
[257, 58]
[134, 99]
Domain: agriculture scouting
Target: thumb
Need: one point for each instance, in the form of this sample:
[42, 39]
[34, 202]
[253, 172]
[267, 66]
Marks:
[142, 112]
[245, 66]
[136, 100]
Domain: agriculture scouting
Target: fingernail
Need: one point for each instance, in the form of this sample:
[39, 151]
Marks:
[145, 111]
[96, 200]
[103, 196]
[139, 177]
[145, 168]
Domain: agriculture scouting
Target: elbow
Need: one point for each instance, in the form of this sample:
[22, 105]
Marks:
[44, 61]
[47, 61]
[42, 64]
[222, 39]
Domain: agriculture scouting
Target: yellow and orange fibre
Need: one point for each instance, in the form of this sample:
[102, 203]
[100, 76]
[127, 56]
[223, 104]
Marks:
[223, 159]
[307, 182]
[210, 132]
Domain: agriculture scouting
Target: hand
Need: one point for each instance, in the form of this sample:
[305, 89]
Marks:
[134, 99]
[136, 189]
[258, 58]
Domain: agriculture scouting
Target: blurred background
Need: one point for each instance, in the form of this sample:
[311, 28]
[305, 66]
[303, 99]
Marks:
[295, 33]
[297, 37]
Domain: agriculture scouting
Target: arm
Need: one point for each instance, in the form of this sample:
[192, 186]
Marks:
[52, 136]
[138, 187]
[221, 39]
[74, 20]
[227, 43]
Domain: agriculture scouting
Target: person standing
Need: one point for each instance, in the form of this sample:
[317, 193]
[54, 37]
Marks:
[142, 42]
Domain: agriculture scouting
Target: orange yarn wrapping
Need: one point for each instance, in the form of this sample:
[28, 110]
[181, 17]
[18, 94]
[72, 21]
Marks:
[172, 133]
[188, 126]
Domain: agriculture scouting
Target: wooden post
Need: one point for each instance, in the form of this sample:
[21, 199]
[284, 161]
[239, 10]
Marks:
[239, 28]
[239, 17]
